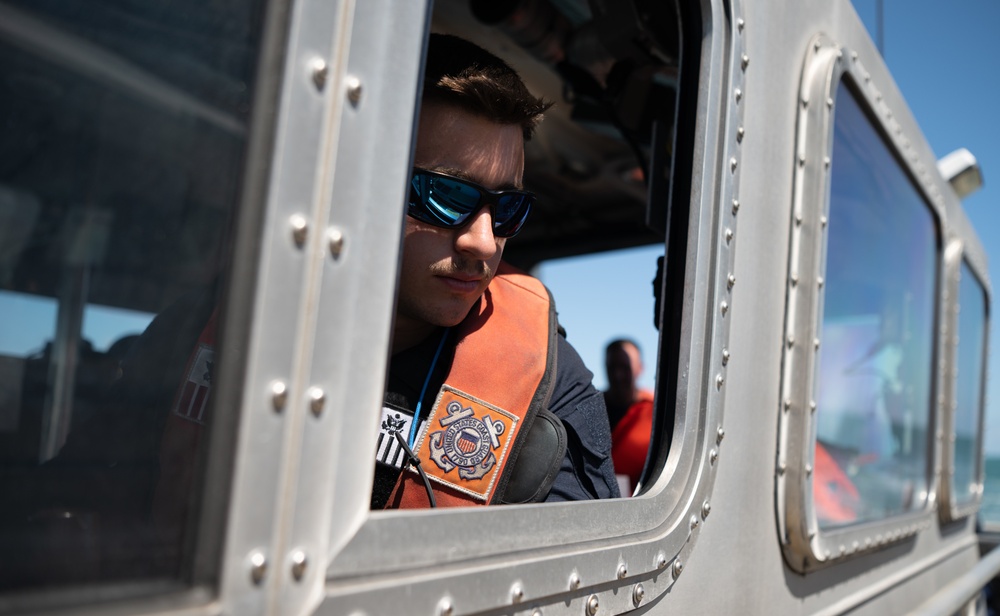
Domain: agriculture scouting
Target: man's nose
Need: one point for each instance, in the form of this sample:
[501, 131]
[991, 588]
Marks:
[476, 237]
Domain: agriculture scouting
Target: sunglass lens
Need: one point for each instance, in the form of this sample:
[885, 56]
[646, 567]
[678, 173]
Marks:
[451, 200]
[510, 212]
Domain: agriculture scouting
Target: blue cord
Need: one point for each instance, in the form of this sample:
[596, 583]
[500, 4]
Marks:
[423, 390]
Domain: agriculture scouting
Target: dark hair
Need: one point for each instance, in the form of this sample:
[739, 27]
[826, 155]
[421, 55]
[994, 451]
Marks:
[463, 74]
[622, 342]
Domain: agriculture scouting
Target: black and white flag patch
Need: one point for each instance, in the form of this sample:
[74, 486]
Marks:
[394, 420]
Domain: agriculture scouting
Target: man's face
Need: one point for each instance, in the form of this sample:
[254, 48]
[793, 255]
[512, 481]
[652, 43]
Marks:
[444, 271]
[624, 367]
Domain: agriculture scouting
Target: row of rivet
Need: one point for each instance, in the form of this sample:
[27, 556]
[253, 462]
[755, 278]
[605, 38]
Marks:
[258, 566]
[320, 72]
[517, 593]
[728, 235]
[300, 233]
[279, 398]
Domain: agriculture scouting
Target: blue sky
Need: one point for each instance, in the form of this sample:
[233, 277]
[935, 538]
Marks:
[944, 59]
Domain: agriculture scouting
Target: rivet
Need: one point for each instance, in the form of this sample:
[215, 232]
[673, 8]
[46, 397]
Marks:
[739, 135]
[805, 103]
[574, 580]
[258, 566]
[731, 281]
[738, 94]
[829, 103]
[694, 522]
[794, 279]
[736, 206]
[678, 568]
[729, 235]
[353, 90]
[878, 97]
[316, 400]
[840, 54]
[868, 77]
[299, 563]
[740, 24]
[791, 341]
[826, 162]
[786, 404]
[816, 343]
[719, 435]
[537, 612]
[446, 607]
[300, 229]
[335, 241]
[724, 308]
[854, 56]
[279, 395]
[809, 470]
[637, 594]
[719, 381]
[819, 282]
[732, 165]
[706, 509]
[744, 61]
[802, 160]
[661, 560]
[725, 356]
[812, 406]
[516, 593]
[781, 468]
[319, 73]
[622, 571]
[592, 605]
[817, 46]
[822, 221]
[713, 456]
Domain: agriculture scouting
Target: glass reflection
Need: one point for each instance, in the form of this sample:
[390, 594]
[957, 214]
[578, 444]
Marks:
[875, 358]
[968, 386]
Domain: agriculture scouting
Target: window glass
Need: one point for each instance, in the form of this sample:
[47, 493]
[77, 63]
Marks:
[124, 137]
[876, 338]
[968, 386]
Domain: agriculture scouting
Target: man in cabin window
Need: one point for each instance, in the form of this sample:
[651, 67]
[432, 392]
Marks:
[505, 409]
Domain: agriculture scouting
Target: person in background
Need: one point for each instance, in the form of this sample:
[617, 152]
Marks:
[630, 411]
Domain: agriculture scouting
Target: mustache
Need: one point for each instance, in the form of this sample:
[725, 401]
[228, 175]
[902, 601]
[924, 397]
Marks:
[469, 268]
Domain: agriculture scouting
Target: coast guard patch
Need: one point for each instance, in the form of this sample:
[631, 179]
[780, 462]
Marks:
[466, 439]
[194, 395]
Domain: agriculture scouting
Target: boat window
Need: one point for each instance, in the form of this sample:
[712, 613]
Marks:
[876, 340]
[601, 151]
[125, 131]
[969, 388]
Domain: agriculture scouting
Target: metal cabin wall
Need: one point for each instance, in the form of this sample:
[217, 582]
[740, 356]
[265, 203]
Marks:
[738, 566]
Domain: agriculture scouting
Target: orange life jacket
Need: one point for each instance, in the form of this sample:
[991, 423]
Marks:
[500, 379]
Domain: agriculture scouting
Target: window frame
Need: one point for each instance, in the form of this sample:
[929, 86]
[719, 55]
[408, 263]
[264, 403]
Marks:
[433, 569]
[829, 68]
[951, 508]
